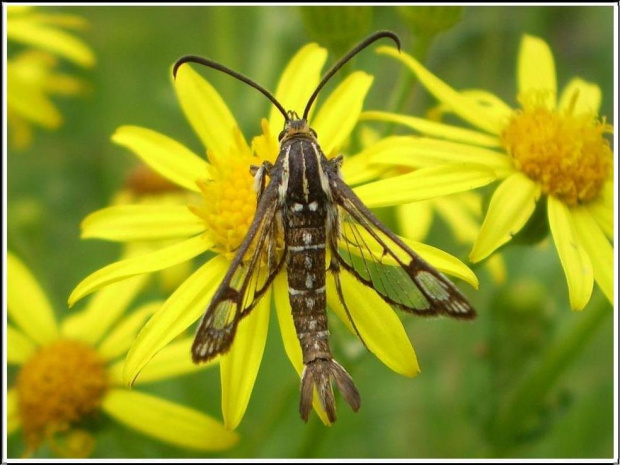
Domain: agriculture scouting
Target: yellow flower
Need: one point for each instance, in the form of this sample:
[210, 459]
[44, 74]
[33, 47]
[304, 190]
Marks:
[69, 371]
[219, 223]
[32, 75]
[550, 148]
[145, 186]
[461, 212]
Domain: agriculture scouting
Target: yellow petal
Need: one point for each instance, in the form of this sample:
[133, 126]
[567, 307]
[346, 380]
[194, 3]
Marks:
[164, 155]
[103, 310]
[598, 248]
[536, 69]
[377, 323]
[512, 204]
[466, 108]
[434, 129]
[266, 145]
[172, 361]
[167, 421]
[396, 147]
[52, 40]
[27, 304]
[575, 261]
[170, 278]
[19, 347]
[118, 341]
[147, 263]
[422, 152]
[181, 309]
[602, 209]
[298, 81]
[206, 111]
[127, 223]
[462, 223]
[496, 267]
[580, 96]
[19, 129]
[414, 219]
[338, 115]
[29, 101]
[443, 261]
[64, 84]
[239, 366]
[357, 170]
[13, 422]
[289, 336]
[63, 20]
[285, 321]
[424, 183]
[17, 10]
[491, 103]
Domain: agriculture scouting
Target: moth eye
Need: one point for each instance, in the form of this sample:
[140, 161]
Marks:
[281, 135]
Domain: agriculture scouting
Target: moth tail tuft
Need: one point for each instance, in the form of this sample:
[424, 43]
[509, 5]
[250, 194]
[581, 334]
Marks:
[319, 373]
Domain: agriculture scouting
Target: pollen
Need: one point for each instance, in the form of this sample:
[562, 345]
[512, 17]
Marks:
[61, 384]
[565, 152]
[229, 203]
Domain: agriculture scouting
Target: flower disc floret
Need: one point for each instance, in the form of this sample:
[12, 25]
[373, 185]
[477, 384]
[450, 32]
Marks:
[229, 205]
[61, 384]
[566, 153]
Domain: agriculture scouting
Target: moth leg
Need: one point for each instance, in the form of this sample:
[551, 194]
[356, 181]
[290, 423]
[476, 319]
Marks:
[260, 177]
[335, 164]
[337, 161]
[334, 267]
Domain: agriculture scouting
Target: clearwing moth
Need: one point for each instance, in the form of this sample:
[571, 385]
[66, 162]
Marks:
[306, 206]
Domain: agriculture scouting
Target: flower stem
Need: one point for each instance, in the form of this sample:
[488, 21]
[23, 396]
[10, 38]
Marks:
[315, 434]
[529, 395]
[405, 84]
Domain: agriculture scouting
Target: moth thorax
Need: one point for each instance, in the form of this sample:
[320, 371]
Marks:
[297, 128]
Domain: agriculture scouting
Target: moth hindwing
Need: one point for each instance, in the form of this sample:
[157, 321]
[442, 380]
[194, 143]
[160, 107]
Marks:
[304, 210]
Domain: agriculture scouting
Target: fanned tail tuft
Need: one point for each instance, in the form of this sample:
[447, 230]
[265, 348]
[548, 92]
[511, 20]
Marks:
[319, 373]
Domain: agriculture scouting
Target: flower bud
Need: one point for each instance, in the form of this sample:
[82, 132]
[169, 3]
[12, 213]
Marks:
[337, 27]
[428, 21]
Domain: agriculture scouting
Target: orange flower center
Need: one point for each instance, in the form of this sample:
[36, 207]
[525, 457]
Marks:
[60, 384]
[566, 153]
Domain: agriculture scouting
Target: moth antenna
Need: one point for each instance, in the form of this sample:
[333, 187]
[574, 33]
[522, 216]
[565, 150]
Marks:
[212, 64]
[354, 51]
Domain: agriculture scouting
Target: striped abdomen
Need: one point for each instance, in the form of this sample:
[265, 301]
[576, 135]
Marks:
[306, 287]
[305, 225]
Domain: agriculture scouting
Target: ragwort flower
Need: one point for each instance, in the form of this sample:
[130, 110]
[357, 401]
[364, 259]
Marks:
[461, 211]
[550, 149]
[145, 186]
[219, 223]
[70, 371]
[32, 75]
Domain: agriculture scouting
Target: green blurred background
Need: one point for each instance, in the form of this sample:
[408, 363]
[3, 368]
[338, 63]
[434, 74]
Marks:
[470, 371]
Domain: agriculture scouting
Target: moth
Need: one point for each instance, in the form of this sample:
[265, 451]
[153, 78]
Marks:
[309, 222]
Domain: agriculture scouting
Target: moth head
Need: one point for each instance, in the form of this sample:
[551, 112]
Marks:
[294, 126]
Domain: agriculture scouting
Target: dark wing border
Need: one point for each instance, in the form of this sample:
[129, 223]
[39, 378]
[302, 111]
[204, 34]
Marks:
[242, 288]
[441, 294]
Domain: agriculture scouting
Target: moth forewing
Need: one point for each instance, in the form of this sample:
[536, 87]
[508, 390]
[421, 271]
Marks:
[367, 249]
[235, 297]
